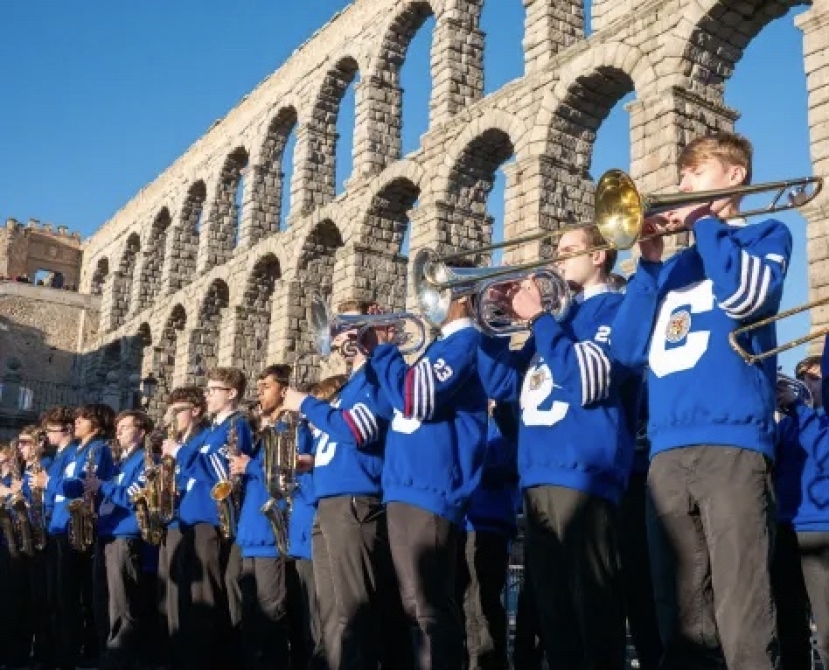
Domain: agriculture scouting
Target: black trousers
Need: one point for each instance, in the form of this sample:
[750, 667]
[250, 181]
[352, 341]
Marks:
[528, 649]
[204, 610]
[636, 573]
[424, 548]
[304, 625]
[814, 560]
[483, 561]
[15, 612]
[169, 618]
[43, 648]
[354, 576]
[264, 592]
[716, 510]
[792, 601]
[573, 560]
[119, 603]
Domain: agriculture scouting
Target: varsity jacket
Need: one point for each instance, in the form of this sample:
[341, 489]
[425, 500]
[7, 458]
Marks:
[577, 406]
[116, 516]
[437, 437]
[71, 483]
[349, 452]
[677, 317]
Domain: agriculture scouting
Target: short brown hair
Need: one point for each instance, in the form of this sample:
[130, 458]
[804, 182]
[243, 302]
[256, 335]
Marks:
[595, 239]
[192, 395]
[60, 415]
[232, 377]
[805, 365]
[328, 387]
[140, 419]
[102, 417]
[279, 371]
[31, 431]
[359, 306]
[728, 148]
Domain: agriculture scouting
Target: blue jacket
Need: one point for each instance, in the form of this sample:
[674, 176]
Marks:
[71, 483]
[46, 464]
[116, 517]
[577, 405]
[493, 504]
[209, 466]
[51, 497]
[184, 458]
[304, 506]
[254, 535]
[349, 456]
[676, 318]
[437, 438]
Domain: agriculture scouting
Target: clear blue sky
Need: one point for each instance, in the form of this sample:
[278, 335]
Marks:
[99, 98]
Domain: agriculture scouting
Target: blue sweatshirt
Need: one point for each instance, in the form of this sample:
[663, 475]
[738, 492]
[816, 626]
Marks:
[51, 497]
[254, 536]
[208, 467]
[71, 484]
[304, 506]
[493, 504]
[184, 459]
[349, 456]
[676, 318]
[437, 438]
[577, 416]
[116, 517]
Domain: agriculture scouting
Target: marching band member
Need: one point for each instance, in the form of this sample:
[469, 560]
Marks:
[210, 561]
[712, 449]
[118, 579]
[571, 395]
[433, 461]
[352, 564]
[186, 417]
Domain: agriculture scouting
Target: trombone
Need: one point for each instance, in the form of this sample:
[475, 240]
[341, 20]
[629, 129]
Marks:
[751, 357]
[620, 212]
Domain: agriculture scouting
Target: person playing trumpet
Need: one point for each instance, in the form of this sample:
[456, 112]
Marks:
[575, 450]
[712, 448]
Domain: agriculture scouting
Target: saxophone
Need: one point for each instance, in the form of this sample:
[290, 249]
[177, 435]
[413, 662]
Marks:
[146, 500]
[37, 508]
[166, 479]
[8, 530]
[280, 475]
[226, 493]
[19, 510]
[82, 515]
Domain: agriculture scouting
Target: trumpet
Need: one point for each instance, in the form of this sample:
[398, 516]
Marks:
[796, 387]
[327, 327]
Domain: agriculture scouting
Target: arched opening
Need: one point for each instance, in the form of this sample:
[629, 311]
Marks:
[253, 317]
[166, 354]
[185, 243]
[502, 24]
[138, 359]
[272, 177]
[340, 91]
[99, 277]
[223, 223]
[122, 286]
[152, 267]
[204, 338]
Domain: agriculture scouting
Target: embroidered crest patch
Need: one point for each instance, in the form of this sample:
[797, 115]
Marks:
[678, 326]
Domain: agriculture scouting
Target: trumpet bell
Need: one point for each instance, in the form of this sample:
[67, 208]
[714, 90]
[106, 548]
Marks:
[619, 209]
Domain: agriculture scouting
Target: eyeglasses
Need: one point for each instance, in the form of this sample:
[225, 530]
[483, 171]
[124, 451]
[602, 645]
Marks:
[183, 408]
[55, 430]
[210, 390]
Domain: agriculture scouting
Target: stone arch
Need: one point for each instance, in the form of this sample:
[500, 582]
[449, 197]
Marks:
[138, 360]
[223, 224]
[99, 276]
[152, 265]
[710, 37]
[268, 179]
[166, 355]
[253, 316]
[183, 249]
[205, 336]
[122, 282]
[384, 95]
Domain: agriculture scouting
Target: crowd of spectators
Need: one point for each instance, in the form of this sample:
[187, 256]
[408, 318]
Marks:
[53, 280]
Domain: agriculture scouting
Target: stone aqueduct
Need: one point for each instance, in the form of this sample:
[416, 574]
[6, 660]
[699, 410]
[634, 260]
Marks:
[187, 281]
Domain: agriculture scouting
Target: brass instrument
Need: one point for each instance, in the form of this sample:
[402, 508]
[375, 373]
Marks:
[619, 215]
[37, 508]
[226, 493]
[166, 479]
[280, 475]
[82, 514]
[751, 357]
[8, 530]
[326, 327]
[146, 500]
[800, 391]
[18, 508]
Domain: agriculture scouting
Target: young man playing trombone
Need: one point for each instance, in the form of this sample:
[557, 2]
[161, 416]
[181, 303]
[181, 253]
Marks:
[575, 449]
[711, 415]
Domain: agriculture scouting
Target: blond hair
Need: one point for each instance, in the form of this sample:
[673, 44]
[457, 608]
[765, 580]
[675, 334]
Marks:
[728, 148]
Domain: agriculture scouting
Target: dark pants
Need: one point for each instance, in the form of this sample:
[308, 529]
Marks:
[424, 549]
[15, 611]
[119, 602]
[69, 602]
[636, 573]
[528, 649]
[169, 576]
[354, 575]
[43, 649]
[573, 561]
[304, 626]
[792, 602]
[483, 561]
[264, 612]
[204, 610]
[814, 560]
[716, 509]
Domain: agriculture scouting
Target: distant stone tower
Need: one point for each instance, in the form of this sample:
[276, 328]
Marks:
[26, 249]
